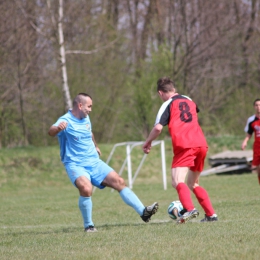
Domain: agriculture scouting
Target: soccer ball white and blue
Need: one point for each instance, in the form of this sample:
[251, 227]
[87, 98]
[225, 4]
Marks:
[174, 209]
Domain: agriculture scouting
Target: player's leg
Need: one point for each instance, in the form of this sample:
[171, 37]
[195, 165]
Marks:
[178, 182]
[193, 184]
[113, 180]
[116, 182]
[80, 178]
[85, 202]
[182, 160]
[103, 175]
[201, 195]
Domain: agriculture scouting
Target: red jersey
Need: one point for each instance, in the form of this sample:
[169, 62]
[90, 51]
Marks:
[254, 127]
[180, 114]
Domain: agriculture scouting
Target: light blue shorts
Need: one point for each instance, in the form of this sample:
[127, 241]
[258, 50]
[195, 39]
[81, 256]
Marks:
[95, 173]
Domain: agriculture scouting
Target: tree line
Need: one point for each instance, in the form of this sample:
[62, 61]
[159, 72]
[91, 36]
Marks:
[115, 50]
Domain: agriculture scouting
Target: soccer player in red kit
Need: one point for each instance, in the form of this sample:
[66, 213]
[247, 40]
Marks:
[190, 147]
[253, 126]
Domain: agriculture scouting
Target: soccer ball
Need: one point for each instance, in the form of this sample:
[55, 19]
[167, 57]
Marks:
[174, 209]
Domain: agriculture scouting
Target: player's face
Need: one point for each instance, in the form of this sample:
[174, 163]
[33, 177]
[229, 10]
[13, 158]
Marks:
[85, 107]
[257, 107]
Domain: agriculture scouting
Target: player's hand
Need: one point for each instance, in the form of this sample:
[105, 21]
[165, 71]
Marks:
[62, 126]
[244, 144]
[147, 148]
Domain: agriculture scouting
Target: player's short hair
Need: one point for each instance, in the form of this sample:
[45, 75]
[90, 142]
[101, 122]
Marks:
[258, 99]
[165, 84]
[79, 99]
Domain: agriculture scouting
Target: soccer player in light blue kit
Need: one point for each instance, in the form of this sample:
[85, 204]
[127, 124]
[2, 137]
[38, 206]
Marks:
[80, 155]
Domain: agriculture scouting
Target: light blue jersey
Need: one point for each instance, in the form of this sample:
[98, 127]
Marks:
[76, 144]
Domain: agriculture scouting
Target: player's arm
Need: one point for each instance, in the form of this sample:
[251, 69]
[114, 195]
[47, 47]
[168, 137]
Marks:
[157, 129]
[244, 143]
[95, 143]
[54, 130]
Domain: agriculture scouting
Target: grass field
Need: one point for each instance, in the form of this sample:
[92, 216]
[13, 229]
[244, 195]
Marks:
[40, 218]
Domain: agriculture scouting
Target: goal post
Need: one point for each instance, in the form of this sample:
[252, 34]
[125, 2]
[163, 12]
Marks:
[128, 161]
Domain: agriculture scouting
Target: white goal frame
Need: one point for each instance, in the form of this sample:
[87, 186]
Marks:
[129, 148]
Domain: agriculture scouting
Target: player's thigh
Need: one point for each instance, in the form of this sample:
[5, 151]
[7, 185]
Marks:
[80, 178]
[114, 181]
[179, 175]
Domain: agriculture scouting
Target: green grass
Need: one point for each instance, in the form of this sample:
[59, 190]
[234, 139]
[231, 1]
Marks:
[40, 218]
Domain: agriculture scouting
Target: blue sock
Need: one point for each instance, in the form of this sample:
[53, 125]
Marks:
[85, 206]
[129, 197]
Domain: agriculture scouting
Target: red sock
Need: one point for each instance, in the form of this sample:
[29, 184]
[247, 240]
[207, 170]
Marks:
[203, 199]
[184, 196]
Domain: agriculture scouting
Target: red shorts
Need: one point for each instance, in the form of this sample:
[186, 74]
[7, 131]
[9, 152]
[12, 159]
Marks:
[191, 157]
[256, 157]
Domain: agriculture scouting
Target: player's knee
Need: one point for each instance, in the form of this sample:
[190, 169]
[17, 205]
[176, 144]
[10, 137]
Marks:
[121, 182]
[191, 185]
[85, 191]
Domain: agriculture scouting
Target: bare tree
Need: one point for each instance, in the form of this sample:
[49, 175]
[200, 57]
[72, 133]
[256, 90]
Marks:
[64, 76]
